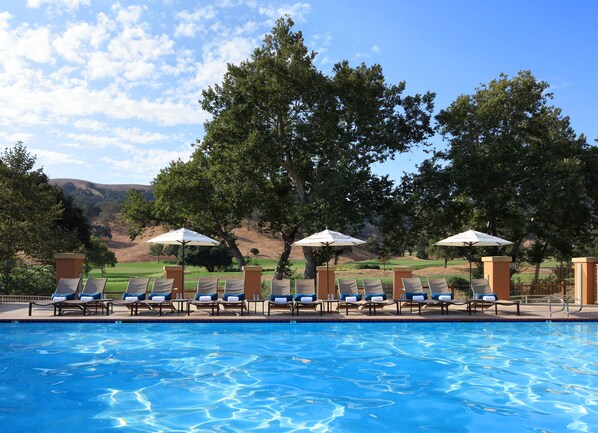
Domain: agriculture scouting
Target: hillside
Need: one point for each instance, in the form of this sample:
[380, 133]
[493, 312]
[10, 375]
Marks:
[138, 250]
[102, 202]
[98, 187]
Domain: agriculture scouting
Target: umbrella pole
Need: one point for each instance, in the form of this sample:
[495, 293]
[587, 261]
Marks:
[182, 292]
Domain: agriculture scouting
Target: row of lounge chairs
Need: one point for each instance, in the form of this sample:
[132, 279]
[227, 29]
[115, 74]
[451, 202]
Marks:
[91, 297]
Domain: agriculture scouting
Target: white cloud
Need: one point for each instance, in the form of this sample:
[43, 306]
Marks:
[49, 157]
[375, 49]
[297, 11]
[191, 22]
[58, 5]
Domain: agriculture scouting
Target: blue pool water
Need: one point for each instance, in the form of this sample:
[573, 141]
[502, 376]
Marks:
[321, 377]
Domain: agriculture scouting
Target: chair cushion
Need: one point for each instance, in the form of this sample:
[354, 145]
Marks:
[345, 295]
[371, 295]
[481, 295]
[298, 297]
[167, 297]
[410, 295]
[436, 295]
[287, 297]
[68, 297]
[214, 296]
[140, 297]
[94, 296]
[240, 296]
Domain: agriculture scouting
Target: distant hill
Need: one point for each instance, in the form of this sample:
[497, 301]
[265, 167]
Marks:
[101, 204]
[99, 199]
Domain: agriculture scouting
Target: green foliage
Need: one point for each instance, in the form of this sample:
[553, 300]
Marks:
[366, 266]
[458, 283]
[513, 167]
[157, 250]
[37, 220]
[97, 255]
[212, 258]
[29, 280]
[299, 145]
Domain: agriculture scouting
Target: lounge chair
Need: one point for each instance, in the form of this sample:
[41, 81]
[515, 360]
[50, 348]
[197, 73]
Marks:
[415, 295]
[206, 295]
[280, 296]
[375, 296]
[349, 295]
[234, 295]
[484, 297]
[66, 289]
[136, 291]
[305, 296]
[90, 297]
[159, 297]
[441, 292]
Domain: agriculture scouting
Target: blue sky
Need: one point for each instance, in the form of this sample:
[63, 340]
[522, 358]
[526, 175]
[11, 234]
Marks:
[107, 91]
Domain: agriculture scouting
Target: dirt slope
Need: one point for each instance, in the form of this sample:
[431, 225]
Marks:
[269, 247]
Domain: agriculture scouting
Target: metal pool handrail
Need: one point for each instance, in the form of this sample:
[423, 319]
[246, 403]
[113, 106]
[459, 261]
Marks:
[548, 300]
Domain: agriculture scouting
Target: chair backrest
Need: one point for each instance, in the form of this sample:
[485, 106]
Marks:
[373, 287]
[305, 287]
[480, 286]
[234, 287]
[67, 286]
[163, 286]
[137, 286]
[412, 285]
[207, 286]
[94, 286]
[281, 287]
[348, 287]
[439, 286]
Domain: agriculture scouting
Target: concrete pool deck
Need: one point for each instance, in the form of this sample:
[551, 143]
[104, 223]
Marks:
[19, 312]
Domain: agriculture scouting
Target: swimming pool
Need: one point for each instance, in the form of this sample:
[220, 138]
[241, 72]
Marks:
[318, 377]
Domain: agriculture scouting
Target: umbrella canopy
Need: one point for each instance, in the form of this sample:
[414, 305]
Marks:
[472, 238]
[184, 237]
[328, 238]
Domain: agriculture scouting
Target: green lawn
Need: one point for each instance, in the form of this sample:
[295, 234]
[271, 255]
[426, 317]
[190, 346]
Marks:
[120, 274]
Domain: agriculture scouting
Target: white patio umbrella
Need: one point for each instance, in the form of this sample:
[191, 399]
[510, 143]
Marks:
[328, 238]
[472, 238]
[184, 237]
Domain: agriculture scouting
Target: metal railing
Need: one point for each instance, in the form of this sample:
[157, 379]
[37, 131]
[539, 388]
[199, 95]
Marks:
[17, 299]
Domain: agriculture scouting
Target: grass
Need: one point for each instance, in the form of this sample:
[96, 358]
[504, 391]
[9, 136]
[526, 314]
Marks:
[120, 274]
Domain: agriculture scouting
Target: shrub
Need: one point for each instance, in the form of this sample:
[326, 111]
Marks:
[366, 266]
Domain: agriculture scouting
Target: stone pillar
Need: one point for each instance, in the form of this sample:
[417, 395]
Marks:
[326, 281]
[497, 270]
[253, 281]
[585, 279]
[176, 272]
[69, 265]
[397, 285]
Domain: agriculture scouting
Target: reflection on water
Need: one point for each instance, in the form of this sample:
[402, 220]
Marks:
[299, 377]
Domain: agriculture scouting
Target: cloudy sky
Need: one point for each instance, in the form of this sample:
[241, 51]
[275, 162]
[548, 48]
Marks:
[107, 91]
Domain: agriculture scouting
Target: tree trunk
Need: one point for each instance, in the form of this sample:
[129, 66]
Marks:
[288, 237]
[538, 264]
[279, 273]
[310, 263]
[231, 243]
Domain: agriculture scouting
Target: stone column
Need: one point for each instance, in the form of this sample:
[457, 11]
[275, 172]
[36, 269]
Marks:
[585, 279]
[326, 281]
[69, 265]
[176, 272]
[497, 270]
[397, 285]
[253, 281]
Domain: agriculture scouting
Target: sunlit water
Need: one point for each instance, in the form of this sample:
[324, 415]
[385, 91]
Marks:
[321, 377]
